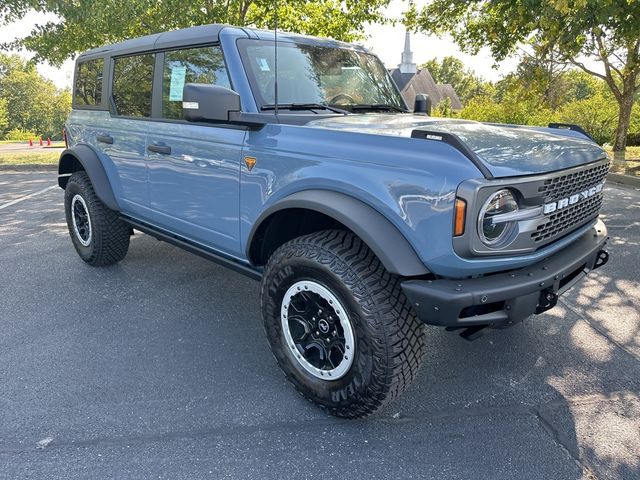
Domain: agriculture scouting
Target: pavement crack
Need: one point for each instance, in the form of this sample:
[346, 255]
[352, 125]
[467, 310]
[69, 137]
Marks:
[555, 437]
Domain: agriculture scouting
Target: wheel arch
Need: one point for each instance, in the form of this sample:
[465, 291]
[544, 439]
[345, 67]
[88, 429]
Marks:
[83, 157]
[313, 210]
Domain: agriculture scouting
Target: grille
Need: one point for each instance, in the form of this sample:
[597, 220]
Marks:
[568, 219]
[565, 185]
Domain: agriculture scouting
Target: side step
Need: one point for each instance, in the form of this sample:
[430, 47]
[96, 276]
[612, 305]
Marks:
[185, 244]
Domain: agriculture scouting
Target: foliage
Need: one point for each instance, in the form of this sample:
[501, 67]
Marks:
[597, 115]
[530, 96]
[443, 108]
[4, 116]
[87, 24]
[451, 70]
[19, 135]
[562, 31]
[33, 103]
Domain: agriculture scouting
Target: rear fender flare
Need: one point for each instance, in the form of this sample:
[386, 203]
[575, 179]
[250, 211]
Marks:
[84, 156]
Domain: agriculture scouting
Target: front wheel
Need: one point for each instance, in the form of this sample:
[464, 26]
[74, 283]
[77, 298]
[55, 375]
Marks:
[339, 324]
[97, 233]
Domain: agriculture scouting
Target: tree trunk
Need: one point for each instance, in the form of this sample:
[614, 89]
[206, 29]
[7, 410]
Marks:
[624, 119]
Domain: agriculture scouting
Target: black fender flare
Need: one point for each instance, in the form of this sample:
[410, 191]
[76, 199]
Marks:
[90, 162]
[380, 235]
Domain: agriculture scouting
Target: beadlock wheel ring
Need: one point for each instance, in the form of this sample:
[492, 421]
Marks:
[317, 330]
[81, 220]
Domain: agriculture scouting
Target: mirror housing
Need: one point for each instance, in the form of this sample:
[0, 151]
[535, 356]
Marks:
[209, 103]
[422, 104]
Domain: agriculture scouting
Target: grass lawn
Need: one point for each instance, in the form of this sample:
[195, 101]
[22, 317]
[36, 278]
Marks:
[40, 158]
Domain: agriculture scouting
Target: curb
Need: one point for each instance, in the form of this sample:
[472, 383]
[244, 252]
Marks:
[628, 180]
[29, 167]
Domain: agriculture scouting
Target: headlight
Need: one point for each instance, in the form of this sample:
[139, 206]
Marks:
[494, 227]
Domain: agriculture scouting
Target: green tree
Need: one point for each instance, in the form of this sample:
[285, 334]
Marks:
[36, 105]
[451, 70]
[596, 114]
[4, 117]
[607, 31]
[86, 24]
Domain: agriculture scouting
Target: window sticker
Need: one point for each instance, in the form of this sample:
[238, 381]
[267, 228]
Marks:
[178, 75]
[263, 64]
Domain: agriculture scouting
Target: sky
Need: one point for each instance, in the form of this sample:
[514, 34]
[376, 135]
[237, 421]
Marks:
[384, 40]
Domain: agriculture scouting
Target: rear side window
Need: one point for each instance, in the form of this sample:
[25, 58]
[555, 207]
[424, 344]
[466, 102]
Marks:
[88, 89]
[132, 85]
[193, 65]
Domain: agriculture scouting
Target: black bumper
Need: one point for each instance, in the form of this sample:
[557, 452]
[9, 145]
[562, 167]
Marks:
[509, 297]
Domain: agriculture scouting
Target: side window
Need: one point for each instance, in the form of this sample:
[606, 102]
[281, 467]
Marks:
[132, 85]
[88, 88]
[193, 65]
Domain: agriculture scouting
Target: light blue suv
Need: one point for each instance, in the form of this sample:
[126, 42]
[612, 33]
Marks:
[363, 222]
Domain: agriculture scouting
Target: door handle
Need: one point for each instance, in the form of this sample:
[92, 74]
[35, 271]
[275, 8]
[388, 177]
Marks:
[164, 149]
[105, 139]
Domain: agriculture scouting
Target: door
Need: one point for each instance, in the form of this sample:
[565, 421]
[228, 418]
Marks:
[124, 136]
[194, 170]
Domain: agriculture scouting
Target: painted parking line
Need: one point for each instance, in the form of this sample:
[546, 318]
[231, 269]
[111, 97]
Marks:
[26, 197]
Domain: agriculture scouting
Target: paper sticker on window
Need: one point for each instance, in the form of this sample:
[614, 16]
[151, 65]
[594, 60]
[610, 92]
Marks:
[178, 75]
[263, 64]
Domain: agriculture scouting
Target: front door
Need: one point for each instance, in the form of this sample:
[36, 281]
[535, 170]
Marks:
[194, 170]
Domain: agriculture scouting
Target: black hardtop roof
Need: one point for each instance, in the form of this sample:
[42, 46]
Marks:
[198, 35]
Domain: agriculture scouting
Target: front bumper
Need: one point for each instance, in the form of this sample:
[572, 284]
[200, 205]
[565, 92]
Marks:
[509, 297]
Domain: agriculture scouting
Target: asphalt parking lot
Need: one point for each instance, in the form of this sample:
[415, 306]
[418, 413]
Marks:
[158, 368]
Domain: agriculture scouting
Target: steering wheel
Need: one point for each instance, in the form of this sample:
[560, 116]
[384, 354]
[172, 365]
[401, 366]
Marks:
[342, 96]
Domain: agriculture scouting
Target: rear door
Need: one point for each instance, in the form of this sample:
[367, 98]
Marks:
[194, 170]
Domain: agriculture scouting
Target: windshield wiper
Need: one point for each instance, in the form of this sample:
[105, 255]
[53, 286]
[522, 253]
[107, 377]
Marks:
[303, 106]
[377, 106]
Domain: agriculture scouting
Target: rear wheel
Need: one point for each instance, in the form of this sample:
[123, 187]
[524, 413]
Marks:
[339, 324]
[97, 233]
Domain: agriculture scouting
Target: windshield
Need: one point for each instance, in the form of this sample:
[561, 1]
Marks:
[311, 74]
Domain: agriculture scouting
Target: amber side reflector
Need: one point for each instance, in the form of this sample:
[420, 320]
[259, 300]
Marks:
[460, 211]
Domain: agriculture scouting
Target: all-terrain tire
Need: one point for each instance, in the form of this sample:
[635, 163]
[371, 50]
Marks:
[106, 239]
[389, 339]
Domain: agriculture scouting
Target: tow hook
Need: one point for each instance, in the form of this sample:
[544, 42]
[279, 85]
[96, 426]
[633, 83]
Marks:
[603, 258]
[548, 300]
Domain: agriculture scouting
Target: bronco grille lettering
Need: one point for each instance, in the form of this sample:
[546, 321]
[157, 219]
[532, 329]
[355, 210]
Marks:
[573, 199]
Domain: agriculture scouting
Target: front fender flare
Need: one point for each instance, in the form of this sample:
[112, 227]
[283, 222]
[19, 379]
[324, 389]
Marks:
[380, 235]
[90, 162]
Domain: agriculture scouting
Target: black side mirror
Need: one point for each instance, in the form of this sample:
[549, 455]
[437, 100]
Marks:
[209, 103]
[422, 104]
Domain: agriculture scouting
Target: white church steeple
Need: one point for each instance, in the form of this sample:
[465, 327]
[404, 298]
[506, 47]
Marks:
[407, 65]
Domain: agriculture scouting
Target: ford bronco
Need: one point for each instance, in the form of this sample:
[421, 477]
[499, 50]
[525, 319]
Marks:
[362, 220]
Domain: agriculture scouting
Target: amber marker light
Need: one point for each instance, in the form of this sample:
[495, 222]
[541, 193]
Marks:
[460, 210]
